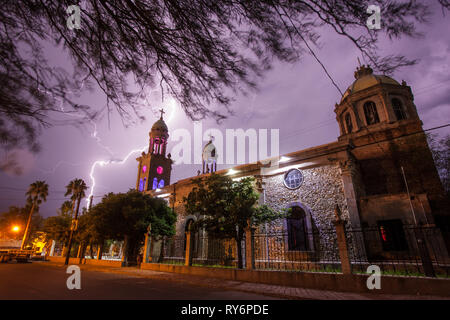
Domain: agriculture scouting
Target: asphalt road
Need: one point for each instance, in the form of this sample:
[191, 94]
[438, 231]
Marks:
[41, 280]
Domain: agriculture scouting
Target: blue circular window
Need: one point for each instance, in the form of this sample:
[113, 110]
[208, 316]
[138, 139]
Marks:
[293, 179]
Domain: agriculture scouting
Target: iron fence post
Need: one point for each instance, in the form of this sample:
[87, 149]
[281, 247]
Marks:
[427, 264]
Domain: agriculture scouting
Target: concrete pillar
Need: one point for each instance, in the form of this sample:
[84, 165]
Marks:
[147, 246]
[249, 249]
[100, 252]
[80, 246]
[342, 245]
[188, 254]
[52, 249]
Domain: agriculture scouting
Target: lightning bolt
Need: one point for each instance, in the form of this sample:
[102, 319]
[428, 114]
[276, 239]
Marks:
[171, 104]
[103, 163]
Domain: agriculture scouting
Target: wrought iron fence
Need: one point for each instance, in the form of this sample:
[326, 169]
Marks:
[169, 250]
[406, 250]
[215, 251]
[315, 251]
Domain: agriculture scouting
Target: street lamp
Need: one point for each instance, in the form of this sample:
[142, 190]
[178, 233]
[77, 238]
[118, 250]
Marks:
[15, 229]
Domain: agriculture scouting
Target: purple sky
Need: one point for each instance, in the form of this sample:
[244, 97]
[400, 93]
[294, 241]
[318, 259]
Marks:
[296, 98]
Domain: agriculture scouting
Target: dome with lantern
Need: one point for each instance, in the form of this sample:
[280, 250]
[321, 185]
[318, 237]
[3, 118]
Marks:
[365, 78]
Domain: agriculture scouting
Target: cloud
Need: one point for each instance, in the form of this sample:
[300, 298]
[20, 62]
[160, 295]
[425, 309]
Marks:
[17, 162]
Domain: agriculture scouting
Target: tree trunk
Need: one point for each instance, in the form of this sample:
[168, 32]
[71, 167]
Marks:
[69, 247]
[125, 252]
[91, 252]
[27, 229]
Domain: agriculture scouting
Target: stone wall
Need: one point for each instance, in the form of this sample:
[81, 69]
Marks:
[321, 190]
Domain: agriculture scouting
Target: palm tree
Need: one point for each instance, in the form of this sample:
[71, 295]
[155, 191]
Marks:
[76, 188]
[37, 192]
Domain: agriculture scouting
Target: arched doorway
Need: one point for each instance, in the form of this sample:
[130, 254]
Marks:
[297, 230]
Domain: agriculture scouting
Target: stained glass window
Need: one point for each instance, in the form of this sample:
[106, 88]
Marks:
[293, 179]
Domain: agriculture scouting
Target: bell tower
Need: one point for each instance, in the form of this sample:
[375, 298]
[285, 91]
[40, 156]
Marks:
[154, 166]
[374, 102]
[379, 121]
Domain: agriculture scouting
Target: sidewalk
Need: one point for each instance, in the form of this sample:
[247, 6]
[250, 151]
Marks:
[270, 290]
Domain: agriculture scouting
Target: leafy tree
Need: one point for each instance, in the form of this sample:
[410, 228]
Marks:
[126, 216]
[57, 227]
[18, 216]
[37, 192]
[198, 51]
[225, 208]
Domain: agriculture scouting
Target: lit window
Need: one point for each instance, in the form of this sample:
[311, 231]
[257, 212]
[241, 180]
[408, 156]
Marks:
[159, 170]
[141, 185]
[144, 168]
[398, 109]
[293, 179]
[155, 183]
[392, 235]
[370, 111]
[161, 183]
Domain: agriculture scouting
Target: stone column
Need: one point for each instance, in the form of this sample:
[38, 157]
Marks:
[342, 243]
[351, 179]
[188, 254]
[350, 175]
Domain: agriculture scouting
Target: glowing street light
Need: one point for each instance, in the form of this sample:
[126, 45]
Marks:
[15, 229]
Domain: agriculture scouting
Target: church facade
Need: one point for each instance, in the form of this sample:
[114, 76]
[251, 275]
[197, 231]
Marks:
[379, 171]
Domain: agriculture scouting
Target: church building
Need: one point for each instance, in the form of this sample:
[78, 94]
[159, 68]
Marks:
[379, 171]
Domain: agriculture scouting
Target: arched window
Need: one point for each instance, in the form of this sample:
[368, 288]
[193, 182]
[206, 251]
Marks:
[370, 111]
[349, 123]
[161, 183]
[296, 227]
[398, 109]
[141, 185]
[155, 183]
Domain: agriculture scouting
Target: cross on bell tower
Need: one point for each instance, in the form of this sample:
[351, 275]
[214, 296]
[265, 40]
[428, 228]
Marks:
[155, 167]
